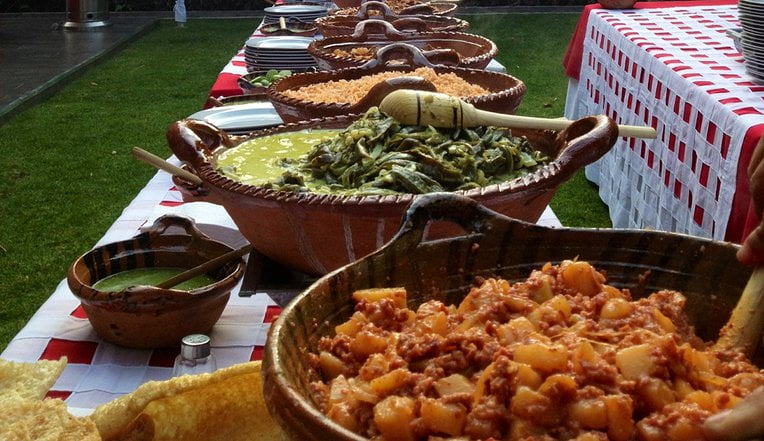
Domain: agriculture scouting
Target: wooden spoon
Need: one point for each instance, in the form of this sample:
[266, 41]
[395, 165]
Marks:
[161, 164]
[440, 110]
[745, 325]
[282, 23]
[205, 267]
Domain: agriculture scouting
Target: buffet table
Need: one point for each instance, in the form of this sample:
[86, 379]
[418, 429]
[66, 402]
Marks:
[672, 66]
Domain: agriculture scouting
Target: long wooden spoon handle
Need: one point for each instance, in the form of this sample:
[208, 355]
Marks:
[529, 122]
[205, 267]
[743, 329]
[161, 164]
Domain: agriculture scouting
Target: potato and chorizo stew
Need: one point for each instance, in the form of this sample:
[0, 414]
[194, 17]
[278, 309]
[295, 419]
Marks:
[559, 356]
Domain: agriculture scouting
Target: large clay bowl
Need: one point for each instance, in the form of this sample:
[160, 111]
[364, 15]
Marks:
[505, 92]
[335, 25]
[146, 316]
[318, 233]
[642, 261]
[425, 8]
[474, 51]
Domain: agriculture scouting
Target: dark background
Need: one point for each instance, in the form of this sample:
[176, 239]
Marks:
[231, 5]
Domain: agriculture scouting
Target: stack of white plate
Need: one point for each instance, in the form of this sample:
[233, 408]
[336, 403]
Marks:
[282, 53]
[305, 13]
[751, 14]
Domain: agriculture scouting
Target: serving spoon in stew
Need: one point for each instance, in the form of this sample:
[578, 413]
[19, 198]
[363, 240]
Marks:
[441, 110]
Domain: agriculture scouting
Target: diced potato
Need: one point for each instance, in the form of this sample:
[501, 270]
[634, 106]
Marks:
[482, 382]
[591, 436]
[664, 322]
[544, 291]
[387, 383]
[469, 321]
[656, 393]
[440, 417]
[590, 414]
[703, 399]
[584, 352]
[468, 304]
[527, 403]
[560, 304]
[619, 417]
[365, 343]
[699, 360]
[393, 417]
[612, 292]
[339, 391]
[362, 391]
[616, 309]
[331, 366]
[350, 327]
[526, 376]
[685, 430]
[436, 323]
[635, 361]
[342, 414]
[397, 295]
[514, 330]
[544, 358]
[582, 277]
[454, 384]
[724, 400]
[682, 388]
[558, 385]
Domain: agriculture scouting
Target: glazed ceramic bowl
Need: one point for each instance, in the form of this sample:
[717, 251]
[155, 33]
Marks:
[334, 53]
[505, 92]
[146, 316]
[293, 26]
[335, 25]
[617, 4]
[316, 233]
[493, 245]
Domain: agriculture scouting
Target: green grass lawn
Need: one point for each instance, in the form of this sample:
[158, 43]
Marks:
[66, 172]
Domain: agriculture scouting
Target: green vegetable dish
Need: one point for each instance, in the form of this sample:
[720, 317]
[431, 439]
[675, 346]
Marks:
[269, 77]
[378, 155]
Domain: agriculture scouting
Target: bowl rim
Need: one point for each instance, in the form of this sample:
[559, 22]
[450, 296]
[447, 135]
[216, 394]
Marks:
[204, 168]
[317, 48]
[276, 94]
[338, 23]
[445, 8]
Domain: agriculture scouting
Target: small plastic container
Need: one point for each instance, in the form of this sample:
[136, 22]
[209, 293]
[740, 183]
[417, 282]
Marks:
[195, 356]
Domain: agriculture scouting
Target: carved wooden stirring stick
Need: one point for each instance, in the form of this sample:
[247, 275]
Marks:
[440, 110]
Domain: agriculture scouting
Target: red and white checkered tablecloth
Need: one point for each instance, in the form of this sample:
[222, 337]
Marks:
[673, 67]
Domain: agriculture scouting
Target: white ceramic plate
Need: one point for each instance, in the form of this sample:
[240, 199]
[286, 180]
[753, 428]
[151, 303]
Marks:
[279, 43]
[241, 118]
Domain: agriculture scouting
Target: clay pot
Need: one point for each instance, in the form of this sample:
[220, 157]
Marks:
[493, 245]
[505, 91]
[474, 51]
[617, 4]
[146, 316]
[316, 233]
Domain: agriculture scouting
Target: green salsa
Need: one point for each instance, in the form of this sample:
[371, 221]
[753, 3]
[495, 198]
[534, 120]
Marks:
[259, 161]
[150, 277]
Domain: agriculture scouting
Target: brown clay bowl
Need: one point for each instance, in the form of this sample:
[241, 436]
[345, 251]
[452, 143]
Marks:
[146, 316]
[317, 233]
[335, 25]
[505, 91]
[643, 261]
[425, 8]
[474, 51]
[293, 27]
[617, 4]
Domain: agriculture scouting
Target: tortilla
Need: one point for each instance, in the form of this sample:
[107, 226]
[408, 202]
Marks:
[46, 420]
[28, 381]
[227, 405]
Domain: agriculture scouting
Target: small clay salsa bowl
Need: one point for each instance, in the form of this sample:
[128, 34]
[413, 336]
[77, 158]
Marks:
[335, 25]
[146, 316]
[705, 271]
[504, 92]
[334, 53]
[317, 233]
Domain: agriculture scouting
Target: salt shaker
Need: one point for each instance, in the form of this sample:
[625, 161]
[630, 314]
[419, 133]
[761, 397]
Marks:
[195, 356]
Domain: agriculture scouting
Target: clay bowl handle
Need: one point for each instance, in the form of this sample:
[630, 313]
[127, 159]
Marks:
[420, 9]
[412, 56]
[194, 142]
[443, 57]
[161, 224]
[362, 30]
[363, 11]
[380, 90]
[585, 141]
[410, 24]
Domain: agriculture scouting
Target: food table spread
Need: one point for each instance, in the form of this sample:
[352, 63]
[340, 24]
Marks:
[670, 65]
[97, 371]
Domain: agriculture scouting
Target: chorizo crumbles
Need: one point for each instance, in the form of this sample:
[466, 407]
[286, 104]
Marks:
[559, 356]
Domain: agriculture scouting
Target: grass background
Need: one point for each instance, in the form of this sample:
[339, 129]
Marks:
[66, 171]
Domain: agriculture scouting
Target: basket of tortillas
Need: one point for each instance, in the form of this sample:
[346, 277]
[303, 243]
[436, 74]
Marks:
[226, 405]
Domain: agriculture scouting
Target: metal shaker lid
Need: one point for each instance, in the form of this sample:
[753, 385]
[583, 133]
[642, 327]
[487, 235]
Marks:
[195, 346]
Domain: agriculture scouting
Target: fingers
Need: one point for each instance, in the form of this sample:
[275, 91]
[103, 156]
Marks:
[756, 158]
[752, 251]
[744, 422]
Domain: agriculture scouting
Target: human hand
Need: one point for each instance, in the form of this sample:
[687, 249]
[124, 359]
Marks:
[752, 251]
[743, 422]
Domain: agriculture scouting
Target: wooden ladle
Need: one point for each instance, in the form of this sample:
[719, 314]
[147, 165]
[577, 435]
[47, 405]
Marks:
[440, 110]
[746, 323]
